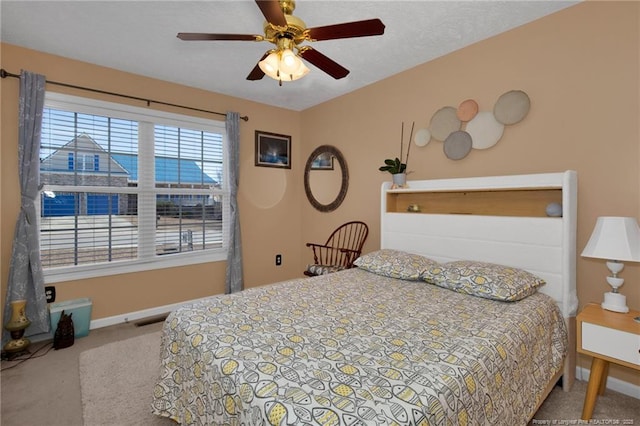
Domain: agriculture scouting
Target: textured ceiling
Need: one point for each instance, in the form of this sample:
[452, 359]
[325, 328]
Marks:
[140, 37]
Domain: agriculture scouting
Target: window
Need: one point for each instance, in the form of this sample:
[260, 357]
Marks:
[126, 189]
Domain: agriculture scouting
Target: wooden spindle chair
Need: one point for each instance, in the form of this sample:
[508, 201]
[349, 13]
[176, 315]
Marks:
[342, 248]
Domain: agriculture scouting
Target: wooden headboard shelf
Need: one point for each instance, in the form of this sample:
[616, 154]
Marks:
[503, 202]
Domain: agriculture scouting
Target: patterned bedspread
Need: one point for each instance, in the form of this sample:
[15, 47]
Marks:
[355, 348]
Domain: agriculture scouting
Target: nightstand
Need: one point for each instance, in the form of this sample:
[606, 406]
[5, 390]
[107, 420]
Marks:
[608, 337]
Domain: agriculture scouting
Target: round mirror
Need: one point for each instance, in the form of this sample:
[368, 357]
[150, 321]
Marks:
[326, 178]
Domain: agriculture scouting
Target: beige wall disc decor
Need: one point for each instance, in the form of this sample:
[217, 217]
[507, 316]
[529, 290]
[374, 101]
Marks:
[444, 122]
[512, 107]
[485, 130]
[467, 110]
[457, 145]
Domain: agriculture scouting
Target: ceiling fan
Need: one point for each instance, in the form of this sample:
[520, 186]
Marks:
[287, 32]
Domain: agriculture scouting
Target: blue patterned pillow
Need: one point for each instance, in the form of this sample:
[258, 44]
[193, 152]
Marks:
[395, 264]
[488, 280]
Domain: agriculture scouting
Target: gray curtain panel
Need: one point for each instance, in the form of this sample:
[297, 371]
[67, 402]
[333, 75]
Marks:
[25, 271]
[234, 281]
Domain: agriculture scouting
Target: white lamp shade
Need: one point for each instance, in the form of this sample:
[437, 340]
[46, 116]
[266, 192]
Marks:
[289, 62]
[300, 70]
[269, 65]
[283, 66]
[614, 238]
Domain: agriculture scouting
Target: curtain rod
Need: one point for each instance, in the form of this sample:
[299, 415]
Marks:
[4, 74]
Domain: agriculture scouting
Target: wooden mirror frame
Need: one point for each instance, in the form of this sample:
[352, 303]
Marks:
[345, 178]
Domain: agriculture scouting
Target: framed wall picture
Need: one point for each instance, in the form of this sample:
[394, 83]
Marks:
[273, 150]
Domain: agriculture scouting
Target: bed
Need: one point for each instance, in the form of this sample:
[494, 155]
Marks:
[405, 338]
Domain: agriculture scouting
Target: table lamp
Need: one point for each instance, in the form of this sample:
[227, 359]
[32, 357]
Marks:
[616, 239]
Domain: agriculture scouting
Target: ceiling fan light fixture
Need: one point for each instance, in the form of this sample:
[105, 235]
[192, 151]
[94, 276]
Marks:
[269, 65]
[289, 62]
[287, 32]
[283, 65]
[302, 69]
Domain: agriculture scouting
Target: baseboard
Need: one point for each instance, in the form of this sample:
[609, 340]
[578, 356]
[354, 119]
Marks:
[119, 319]
[612, 383]
[138, 315]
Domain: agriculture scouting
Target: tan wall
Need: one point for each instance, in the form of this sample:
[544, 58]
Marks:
[269, 199]
[580, 68]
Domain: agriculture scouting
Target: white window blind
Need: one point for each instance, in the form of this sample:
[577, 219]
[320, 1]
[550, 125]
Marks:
[126, 189]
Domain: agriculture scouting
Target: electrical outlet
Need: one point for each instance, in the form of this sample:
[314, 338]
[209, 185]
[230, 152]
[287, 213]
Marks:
[278, 259]
[50, 293]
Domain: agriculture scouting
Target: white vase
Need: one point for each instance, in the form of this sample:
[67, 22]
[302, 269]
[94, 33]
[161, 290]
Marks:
[399, 180]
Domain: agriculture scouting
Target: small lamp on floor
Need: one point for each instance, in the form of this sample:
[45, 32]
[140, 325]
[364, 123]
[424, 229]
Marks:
[616, 239]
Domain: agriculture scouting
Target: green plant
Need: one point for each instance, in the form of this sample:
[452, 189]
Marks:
[395, 165]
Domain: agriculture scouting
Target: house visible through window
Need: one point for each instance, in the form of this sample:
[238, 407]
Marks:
[126, 188]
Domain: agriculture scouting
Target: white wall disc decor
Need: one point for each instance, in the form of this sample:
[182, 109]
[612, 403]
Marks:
[485, 130]
[422, 137]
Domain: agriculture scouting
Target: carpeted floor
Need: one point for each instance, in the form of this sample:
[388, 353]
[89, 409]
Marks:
[45, 389]
[127, 386]
[566, 408]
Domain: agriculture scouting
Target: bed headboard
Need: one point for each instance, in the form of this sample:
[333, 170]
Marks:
[499, 219]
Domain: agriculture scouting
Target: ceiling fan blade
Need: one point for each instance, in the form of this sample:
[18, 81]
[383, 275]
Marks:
[370, 27]
[272, 12]
[327, 65]
[257, 73]
[226, 37]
